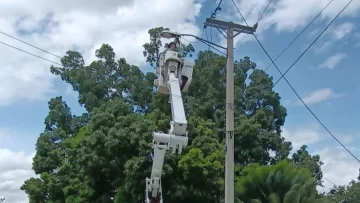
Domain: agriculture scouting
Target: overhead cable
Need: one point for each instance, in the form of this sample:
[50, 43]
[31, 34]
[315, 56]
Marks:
[292, 65]
[8, 35]
[30, 53]
[299, 97]
[302, 31]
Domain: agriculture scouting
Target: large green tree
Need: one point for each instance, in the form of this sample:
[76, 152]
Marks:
[102, 156]
[54, 159]
[303, 159]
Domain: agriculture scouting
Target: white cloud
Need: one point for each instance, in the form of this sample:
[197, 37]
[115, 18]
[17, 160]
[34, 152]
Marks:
[345, 138]
[84, 26]
[15, 168]
[324, 47]
[286, 102]
[304, 135]
[342, 30]
[70, 92]
[316, 96]
[311, 134]
[332, 61]
[336, 33]
[339, 167]
[292, 14]
[287, 15]
[320, 95]
[356, 37]
[22, 78]
[313, 33]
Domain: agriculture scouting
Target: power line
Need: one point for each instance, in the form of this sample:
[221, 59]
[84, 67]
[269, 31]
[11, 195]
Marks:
[292, 42]
[30, 44]
[61, 57]
[314, 41]
[207, 64]
[207, 44]
[218, 8]
[204, 42]
[213, 16]
[262, 14]
[196, 40]
[307, 107]
[30, 53]
[329, 181]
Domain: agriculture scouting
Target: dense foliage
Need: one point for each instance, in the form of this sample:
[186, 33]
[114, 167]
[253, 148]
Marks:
[278, 183]
[102, 155]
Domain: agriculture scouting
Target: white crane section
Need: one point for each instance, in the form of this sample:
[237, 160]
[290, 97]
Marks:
[174, 77]
[179, 124]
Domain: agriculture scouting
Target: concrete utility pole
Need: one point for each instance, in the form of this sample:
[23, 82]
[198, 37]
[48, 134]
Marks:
[229, 28]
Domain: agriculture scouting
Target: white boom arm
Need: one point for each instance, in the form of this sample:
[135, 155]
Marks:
[179, 123]
[170, 69]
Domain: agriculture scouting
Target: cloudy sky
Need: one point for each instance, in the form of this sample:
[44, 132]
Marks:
[326, 76]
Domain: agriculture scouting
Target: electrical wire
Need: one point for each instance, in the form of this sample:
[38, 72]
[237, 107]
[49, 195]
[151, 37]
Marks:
[329, 181]
[292, 65]
[292, 42]
[204, 42]
[207, 44]
[299, 97]
[218, 8]
[61, 57]
[262, 14]
[207, 64]
[30, 54]
[30, 44]
[196, 40]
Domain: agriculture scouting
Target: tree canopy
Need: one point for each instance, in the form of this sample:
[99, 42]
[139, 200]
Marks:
[102, 155]
[280, 183]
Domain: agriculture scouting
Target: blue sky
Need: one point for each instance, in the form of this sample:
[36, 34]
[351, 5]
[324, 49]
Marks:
[326, 77]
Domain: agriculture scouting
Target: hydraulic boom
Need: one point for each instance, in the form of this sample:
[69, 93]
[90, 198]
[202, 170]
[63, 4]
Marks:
[175, 76]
